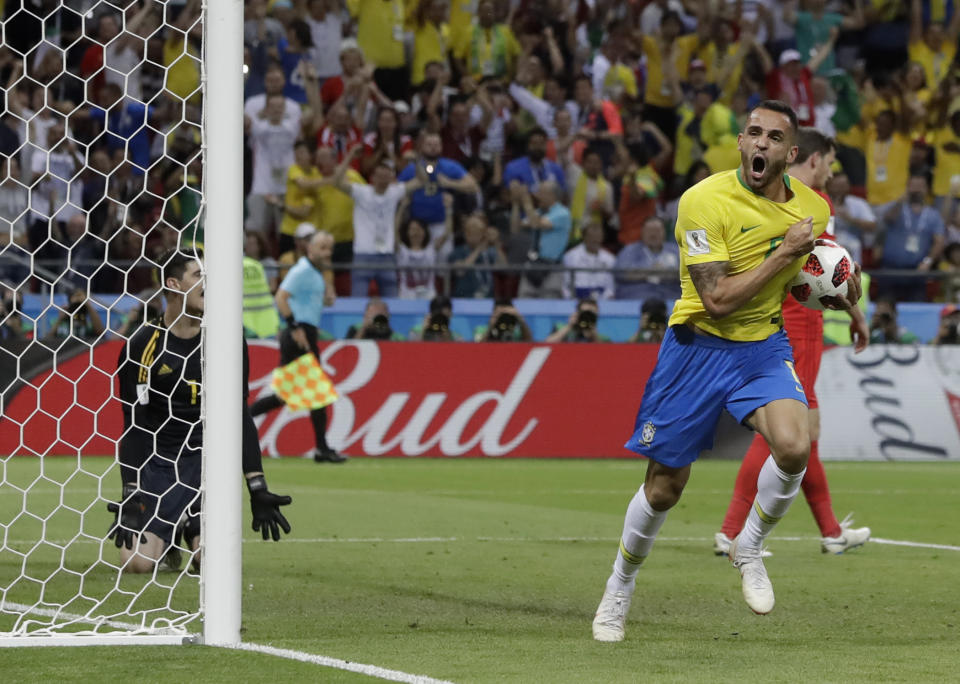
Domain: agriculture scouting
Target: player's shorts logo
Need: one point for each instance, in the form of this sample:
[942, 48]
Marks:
[697, 242]
[647, 434]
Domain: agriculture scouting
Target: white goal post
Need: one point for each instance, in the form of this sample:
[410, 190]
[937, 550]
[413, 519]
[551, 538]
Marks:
[61, 585]
[223, 129]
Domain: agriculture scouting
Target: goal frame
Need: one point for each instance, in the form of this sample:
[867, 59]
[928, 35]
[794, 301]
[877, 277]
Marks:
[221, 536]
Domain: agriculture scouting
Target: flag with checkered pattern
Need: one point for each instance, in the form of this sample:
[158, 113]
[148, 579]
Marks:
[302, 384]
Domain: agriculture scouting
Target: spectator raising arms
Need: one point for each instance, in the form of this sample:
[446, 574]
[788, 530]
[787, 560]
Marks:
[272, 138]
[374, 214]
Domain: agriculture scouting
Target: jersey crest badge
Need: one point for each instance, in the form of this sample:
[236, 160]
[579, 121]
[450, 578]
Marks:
[647, 433]
[697, 242]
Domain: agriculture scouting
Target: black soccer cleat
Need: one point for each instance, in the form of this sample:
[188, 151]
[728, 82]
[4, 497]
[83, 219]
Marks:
[328, 455]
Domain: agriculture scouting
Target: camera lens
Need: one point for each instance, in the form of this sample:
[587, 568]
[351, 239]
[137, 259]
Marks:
[586, 319]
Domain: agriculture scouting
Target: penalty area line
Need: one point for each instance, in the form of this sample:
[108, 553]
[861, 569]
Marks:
[337, 663]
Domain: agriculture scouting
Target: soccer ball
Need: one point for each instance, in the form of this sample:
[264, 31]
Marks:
[824, 274]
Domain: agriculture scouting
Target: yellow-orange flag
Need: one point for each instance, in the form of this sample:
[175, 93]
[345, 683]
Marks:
[302, 384]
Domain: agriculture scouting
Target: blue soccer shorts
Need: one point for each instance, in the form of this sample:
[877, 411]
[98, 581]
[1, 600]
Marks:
[170, 487]
[696, 377]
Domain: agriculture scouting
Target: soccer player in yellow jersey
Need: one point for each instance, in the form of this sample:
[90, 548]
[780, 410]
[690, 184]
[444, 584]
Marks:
[742, 236]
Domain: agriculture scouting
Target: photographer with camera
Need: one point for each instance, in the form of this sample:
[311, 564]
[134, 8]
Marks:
[653, 322]
[505, 325]
[884, 328]
[79, 319]
[581, 326]
[436, 324]
[375, 324]
[12, 326]
[949, 330]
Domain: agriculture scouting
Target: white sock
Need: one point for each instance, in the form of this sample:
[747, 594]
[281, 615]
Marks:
[776, 490]
[640, 528]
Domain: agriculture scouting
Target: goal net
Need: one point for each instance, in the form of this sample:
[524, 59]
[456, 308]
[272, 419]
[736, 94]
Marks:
[104, 152]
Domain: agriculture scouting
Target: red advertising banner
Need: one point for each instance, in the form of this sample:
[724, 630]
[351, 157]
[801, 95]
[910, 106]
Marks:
[462, 399]
[396, 399]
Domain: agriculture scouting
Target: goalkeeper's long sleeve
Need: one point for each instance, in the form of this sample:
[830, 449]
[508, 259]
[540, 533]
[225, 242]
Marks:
[252, 456]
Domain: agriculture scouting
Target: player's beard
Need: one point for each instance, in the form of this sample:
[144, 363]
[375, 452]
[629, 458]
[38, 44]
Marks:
[772, 170]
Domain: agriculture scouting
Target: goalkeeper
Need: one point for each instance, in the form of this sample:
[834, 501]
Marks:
[160, 382]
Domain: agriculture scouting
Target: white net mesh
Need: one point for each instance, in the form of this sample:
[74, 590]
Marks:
[101, 145]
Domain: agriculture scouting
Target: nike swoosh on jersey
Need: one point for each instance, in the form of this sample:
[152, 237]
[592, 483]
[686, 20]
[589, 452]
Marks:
[744, 230]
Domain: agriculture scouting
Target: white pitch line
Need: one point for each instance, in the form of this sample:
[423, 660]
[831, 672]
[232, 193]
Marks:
[698, 540]
[360, 668]
[519, 540]
[77, 617]
[920, 545]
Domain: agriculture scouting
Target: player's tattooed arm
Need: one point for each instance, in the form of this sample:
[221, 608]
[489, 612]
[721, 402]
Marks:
[706, 276]
[722, 293]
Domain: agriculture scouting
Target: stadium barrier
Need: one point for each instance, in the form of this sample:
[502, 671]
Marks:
[945, 284]
[618, 318]
[497, 400]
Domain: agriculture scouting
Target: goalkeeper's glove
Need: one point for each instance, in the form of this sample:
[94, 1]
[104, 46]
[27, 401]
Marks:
[265, 506]
[130, 517]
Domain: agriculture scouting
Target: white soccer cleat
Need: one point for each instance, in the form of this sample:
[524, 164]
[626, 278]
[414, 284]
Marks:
[721, 546]
[609, 622]
[850, 538]
[757, 589]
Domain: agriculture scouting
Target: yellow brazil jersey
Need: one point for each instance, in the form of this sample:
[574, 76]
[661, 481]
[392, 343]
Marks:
[462, 13]
[656, 89]
[721, 219]
[182, 59]
[334, 209]
[430, 44]
[380, 31]
[888, 166]
[935, 64]
[947, 145]
[295, 197]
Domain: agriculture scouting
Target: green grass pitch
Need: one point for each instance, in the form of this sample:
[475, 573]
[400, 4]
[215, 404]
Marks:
[490, 571]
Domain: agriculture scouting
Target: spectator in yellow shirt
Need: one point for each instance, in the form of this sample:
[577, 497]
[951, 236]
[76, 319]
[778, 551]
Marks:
[489, 49]
[668, 57]
[946, 169]
[934, 47]
[300, 200]
[887, 150]
[461, 20]
[181, 55]
[335, 213]
[431, 37]
[380, 37]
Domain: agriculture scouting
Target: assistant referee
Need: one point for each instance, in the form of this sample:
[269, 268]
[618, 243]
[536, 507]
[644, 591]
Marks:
[305, 290]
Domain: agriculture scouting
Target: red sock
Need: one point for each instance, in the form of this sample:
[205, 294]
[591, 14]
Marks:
[745, 489]
[817, 491]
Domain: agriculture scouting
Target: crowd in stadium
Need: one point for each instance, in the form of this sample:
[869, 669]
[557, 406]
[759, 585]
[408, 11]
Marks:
[551, 135]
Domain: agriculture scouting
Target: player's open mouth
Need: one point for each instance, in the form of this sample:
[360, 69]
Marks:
[757, 166]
